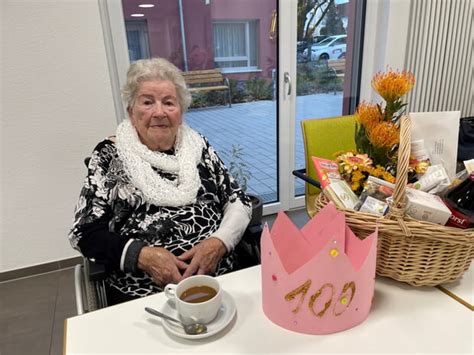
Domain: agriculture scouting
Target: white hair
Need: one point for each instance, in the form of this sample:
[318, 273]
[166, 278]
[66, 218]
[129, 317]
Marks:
[155, 69]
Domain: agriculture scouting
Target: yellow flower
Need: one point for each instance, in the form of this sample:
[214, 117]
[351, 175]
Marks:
[380, 172]
[392, 85]
[384, 135]
[419, 167]
[368, 115]
[357, 176]
[355, 186]
[388, 177]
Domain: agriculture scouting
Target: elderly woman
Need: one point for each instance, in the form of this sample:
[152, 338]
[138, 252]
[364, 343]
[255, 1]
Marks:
[158, 204]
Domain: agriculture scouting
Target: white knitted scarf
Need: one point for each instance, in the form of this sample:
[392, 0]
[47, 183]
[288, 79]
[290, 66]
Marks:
[138, 161]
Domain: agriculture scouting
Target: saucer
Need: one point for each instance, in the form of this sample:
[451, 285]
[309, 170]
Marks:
[224, 316]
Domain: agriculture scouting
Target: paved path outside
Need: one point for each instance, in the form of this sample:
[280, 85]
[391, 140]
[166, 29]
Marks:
[253, 126]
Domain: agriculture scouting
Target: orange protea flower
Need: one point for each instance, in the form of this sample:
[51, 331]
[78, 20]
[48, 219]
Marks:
[392, 85]
[368, 115]
[384, 135]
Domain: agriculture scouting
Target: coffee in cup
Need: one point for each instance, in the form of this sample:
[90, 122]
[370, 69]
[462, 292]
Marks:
[198, 294]
[198, 298]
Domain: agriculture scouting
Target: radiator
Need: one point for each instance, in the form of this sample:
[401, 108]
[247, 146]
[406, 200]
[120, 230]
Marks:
[440, 54]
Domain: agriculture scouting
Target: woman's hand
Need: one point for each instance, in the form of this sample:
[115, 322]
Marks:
[204, 257]
[161, 265]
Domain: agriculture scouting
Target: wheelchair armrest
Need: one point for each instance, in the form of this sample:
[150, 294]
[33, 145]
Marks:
[301, 173]
[96, 271]
[89, 286]
[253, 233]
[248, 249]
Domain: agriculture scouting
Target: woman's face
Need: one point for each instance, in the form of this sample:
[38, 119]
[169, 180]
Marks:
[156, 114]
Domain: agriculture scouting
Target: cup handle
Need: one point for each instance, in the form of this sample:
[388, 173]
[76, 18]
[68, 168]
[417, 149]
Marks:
[170, 291]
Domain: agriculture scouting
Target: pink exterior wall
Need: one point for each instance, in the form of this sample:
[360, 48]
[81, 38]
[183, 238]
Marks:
[198, 29]
[251, 10]
[164, 30]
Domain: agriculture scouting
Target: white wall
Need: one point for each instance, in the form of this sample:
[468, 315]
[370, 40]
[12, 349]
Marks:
[385, 38]
[56, 104]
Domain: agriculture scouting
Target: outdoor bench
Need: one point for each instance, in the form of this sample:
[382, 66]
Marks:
[338, 66]
[207, 80]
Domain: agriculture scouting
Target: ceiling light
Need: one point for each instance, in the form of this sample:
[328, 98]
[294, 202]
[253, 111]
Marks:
[146, 5]
[137, 15]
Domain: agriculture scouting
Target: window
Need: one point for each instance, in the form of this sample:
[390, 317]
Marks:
[325, 41]
[236, 45]
[235, 37]
[137, 39]
[339, 41]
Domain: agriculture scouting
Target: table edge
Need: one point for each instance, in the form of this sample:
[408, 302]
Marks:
[455, 297]
[65, 337]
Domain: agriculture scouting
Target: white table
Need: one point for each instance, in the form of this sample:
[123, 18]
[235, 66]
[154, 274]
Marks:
[463, 289]
[403, 319]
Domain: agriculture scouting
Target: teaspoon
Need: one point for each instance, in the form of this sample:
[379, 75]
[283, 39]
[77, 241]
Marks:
[192, 329]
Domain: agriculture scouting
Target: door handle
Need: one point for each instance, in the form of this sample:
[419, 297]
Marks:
[287, 80]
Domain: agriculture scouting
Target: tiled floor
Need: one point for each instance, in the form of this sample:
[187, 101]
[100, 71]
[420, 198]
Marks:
[33, 310]
[253, 125]
[32, 313]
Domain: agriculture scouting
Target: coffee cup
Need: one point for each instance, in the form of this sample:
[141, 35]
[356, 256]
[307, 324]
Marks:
[197, 298]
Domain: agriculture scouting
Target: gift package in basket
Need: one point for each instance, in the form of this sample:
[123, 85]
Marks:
[403, 183]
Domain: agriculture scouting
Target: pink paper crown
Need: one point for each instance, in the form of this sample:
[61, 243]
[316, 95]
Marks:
[319, 280]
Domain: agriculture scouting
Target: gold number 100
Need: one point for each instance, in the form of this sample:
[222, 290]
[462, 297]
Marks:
[304, 288]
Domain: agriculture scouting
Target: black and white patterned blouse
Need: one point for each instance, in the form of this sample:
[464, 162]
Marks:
[111, 211]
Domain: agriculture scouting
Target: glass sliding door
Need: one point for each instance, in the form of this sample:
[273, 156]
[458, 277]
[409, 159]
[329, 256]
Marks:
[328, 51]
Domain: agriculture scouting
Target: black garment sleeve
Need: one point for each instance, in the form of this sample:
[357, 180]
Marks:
[98, 243]
[90, 233]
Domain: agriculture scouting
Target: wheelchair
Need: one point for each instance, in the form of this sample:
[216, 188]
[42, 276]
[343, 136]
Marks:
[89, 277]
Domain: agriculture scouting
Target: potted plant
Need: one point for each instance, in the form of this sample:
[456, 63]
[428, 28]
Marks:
[241, 173]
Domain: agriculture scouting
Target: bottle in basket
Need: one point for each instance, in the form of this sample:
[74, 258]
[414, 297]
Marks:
[460, 200]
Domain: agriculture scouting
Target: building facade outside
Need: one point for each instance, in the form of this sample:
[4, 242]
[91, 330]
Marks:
[203, 34]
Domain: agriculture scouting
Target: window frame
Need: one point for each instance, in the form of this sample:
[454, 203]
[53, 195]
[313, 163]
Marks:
[247, 57]
[141, 27]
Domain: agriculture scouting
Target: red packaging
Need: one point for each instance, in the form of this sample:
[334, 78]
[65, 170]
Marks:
[458, 219]
[327, 170]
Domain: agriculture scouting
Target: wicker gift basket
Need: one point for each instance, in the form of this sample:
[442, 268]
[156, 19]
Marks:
[416, 252]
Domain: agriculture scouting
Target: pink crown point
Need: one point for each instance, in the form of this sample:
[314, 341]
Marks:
[329, 286]
[328, 224]
[358, 250]
[289, 243]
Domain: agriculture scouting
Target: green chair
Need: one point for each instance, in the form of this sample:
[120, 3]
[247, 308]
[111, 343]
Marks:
[323, 138]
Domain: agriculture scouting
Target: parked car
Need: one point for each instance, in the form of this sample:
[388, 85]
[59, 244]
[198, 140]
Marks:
[301, 46]
[319, 38]
[302, 56]
[332, 47]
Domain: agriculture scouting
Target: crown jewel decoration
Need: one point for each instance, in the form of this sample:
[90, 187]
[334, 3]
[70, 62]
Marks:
[319, 280]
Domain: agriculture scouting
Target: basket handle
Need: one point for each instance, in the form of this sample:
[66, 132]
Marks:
[397, 208]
